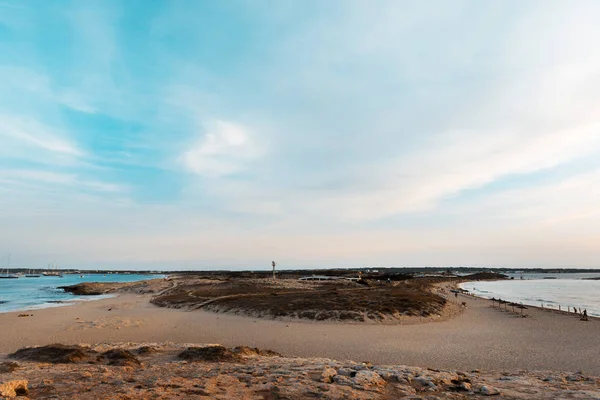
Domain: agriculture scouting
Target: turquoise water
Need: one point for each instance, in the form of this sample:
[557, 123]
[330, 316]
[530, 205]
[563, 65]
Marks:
[567, 290]
[34, 293]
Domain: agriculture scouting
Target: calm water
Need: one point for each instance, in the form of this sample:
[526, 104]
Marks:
[33, 293]
[570, 290]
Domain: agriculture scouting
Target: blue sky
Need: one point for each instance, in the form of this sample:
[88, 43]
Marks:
[205, 134]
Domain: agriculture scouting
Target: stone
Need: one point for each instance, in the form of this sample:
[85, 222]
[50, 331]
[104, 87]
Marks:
[14, 388]
[253, 351]
[7, 367]
[342, 380]
[209, 353]
[368, 378]
[488, 390]
[575, 378]
[328, 374]
[146, 350]
[425, 381]
[346, 372]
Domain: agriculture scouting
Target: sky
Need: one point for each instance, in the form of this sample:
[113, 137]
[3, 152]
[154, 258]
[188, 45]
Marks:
[226, 134]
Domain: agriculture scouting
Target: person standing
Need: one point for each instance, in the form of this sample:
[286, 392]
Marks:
[273, 264]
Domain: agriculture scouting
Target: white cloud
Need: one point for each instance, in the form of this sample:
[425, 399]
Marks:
[451, 163]
[38, 177]
[224, 148]
[571, 201]
[31, 133]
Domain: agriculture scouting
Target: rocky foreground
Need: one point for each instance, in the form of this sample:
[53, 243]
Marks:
[166, 371]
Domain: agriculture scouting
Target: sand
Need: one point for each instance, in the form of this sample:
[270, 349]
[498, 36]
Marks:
[480, 338]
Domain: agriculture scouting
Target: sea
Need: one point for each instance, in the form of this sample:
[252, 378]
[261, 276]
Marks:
[34, 293]
[547, 290]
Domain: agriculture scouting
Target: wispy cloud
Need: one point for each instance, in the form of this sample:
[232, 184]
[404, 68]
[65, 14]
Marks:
[21, 177]
[29, 132]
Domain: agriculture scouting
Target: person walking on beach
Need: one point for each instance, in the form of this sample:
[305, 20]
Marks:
[584, 316]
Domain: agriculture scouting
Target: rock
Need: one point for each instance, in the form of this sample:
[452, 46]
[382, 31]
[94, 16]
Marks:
[388, 376]
[342, 380]
[368, 378]
[425, 381]
[146, 350]
[8, 366]
[14, 389]
[209, 353]
[54, 353]
[346, 372]
[508, 378]
[575, 378]
[253, 351]
[121, 358]
[328, 374]
[488, 390]
[87, 288]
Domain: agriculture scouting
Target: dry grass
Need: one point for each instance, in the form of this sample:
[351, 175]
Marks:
[339, 300]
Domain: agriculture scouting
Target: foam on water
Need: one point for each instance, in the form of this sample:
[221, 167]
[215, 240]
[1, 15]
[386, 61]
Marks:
[35, 293]
[567, 290]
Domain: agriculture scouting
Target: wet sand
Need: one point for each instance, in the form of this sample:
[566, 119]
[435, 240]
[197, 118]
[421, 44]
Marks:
[480, 338]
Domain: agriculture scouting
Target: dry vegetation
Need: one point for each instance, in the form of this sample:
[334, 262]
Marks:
[380, 298]
[289, 298]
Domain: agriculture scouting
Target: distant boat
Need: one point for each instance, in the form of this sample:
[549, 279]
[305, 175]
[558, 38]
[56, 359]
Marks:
[31, 274]
[51, 272]
[6, 275]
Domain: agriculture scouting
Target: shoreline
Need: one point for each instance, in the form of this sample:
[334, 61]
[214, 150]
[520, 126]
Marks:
[62, 303]
[547, 309]
[67, 302]
[481, 337]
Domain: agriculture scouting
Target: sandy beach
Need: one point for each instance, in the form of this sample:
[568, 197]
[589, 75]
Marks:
[482, 337]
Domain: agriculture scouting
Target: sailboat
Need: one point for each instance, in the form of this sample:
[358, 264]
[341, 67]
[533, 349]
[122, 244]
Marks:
[50, 272]
[31, 274]
[6, 275]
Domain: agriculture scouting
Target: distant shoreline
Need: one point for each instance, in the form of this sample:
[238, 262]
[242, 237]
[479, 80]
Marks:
[67, 302]
[528, 305]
